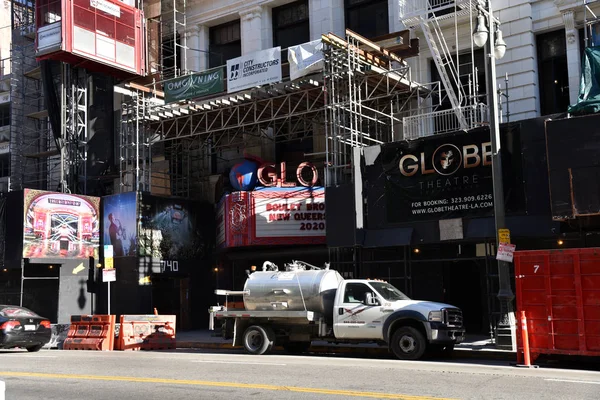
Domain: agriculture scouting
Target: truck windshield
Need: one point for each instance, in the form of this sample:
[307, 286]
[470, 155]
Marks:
[388, 292]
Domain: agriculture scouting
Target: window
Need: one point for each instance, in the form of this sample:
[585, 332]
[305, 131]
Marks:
[356, 293]
[5, 114]
[4, 165]
[291, 25]
[368, 18]
[389, 292]
[553, 72]
[225, 43]
[48, 12]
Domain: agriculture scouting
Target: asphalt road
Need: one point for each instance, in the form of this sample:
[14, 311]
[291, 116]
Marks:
[83, 375]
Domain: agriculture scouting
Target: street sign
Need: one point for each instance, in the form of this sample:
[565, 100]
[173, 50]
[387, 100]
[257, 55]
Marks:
[505, 252]
[108, 251]
[504, 235]
[109, 275]
[109, 263]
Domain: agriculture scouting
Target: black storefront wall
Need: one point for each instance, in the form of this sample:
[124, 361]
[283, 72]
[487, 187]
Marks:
[440, 177]
[13, 246]
[169, 261]
[403, 210]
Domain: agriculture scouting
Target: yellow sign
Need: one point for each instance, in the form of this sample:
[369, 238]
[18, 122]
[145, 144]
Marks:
[504, 236]
[108, 263]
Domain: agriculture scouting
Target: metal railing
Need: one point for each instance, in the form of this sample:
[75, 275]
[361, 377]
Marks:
[445, 121]
[411, 11]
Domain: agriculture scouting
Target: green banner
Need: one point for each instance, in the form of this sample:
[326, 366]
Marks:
[194, 85]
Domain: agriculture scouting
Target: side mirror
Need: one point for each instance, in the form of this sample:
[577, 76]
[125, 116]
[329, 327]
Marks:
[370, 299]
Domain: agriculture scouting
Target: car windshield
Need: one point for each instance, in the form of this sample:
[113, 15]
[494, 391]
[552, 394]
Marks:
[388, 292]
[14, 311]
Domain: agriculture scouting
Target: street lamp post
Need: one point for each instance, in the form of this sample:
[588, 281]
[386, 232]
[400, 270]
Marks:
[490, 36]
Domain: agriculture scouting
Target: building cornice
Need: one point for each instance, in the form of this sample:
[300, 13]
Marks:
[230, 11]
[566, 5]
[251, 13]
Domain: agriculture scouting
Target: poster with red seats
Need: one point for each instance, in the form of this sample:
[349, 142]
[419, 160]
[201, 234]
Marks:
[58, 225]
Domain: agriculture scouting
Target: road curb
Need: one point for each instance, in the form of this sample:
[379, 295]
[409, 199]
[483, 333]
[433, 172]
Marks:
[458, 353]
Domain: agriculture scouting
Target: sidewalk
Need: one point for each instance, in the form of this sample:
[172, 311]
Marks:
[474, 347]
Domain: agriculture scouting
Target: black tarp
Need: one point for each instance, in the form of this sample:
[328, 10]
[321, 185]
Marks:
[573, 146]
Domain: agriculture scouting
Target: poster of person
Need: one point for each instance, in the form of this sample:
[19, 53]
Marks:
[171, 229]
[60, 225]
[119, 213]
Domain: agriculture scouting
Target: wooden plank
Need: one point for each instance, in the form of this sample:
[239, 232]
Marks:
[146, 89]
[337, 41]
[373, 46]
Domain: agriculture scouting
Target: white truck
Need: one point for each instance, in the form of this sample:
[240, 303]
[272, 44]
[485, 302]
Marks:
[304, 303]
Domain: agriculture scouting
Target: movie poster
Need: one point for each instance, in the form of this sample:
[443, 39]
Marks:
[171, 229]
[120, 223]
[60, 225]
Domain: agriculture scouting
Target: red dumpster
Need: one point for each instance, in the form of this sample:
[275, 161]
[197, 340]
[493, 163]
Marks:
[559, 290]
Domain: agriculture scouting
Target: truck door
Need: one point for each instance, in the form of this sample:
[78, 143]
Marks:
[353, 318]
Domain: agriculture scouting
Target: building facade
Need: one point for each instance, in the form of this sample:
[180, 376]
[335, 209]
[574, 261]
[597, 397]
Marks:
[344, 81]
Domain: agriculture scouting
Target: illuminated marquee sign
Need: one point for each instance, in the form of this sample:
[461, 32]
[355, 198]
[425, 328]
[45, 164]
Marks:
[306, 175]
[272, 216]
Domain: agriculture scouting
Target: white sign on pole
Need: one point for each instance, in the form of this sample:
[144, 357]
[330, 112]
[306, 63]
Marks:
[2, 390]
[505, 252]
[255, 69]
[305, 58]
[109, 275]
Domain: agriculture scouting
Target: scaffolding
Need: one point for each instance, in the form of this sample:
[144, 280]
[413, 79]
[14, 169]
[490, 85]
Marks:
[144, 163]
[40, 158]
[74, 129]
[30, 128]
[171, 148]
[367, 89]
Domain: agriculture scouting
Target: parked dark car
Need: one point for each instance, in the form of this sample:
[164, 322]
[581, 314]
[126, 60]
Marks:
[20, 327]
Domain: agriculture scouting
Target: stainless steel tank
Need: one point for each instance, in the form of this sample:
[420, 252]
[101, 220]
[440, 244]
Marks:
[285, 290]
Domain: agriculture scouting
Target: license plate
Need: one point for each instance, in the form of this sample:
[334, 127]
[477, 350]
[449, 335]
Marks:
[30, 327]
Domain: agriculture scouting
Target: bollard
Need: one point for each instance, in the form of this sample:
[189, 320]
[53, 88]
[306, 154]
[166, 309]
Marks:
[525, 339]
[2, 387]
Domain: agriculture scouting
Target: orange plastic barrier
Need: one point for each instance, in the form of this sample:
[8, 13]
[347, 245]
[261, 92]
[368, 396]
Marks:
[147, 332]
[91, 332]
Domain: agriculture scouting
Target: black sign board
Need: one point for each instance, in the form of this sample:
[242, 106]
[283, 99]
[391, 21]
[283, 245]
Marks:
[438, 177]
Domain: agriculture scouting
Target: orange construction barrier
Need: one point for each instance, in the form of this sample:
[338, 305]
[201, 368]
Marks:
[91, 332]
[147, 332]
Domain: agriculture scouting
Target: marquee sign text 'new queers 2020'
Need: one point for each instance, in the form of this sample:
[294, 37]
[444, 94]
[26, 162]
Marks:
[441, 178]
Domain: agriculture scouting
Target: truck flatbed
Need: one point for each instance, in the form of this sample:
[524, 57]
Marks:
[270, 315]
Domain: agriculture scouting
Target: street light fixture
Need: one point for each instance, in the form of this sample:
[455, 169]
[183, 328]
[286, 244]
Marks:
[490, 35]
[480, 36]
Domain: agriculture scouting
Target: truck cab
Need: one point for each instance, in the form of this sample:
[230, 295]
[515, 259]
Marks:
[375, 310]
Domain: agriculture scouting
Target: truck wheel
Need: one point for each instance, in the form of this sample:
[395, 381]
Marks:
[408, 343]
[296, 347]
[258, 340]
